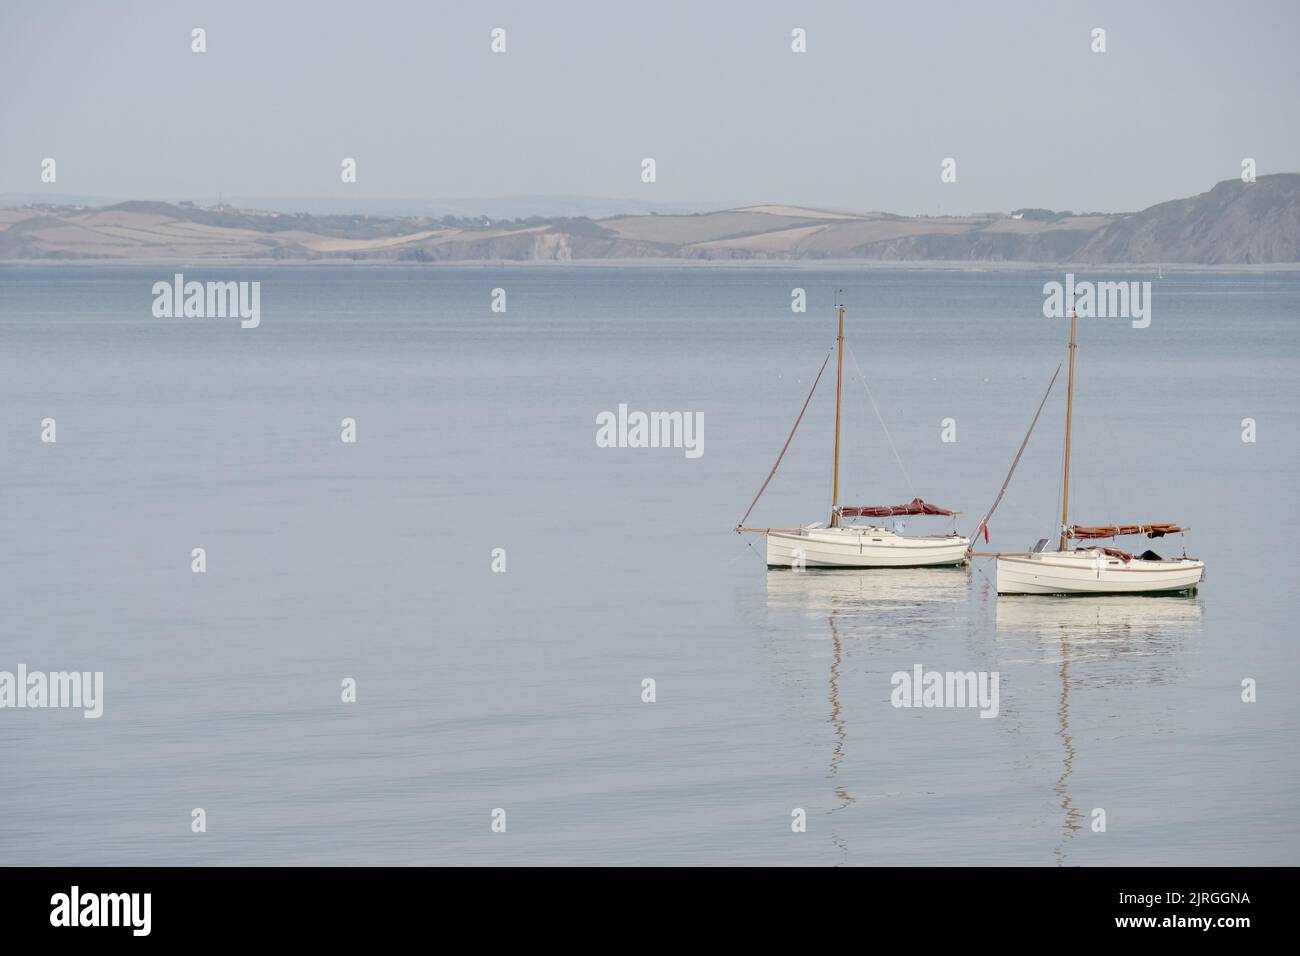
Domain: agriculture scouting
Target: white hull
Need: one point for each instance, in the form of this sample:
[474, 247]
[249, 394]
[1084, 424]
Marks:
[861, 547]
[1091, 571]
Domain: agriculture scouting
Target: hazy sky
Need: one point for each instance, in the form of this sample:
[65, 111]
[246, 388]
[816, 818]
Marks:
[711, 91]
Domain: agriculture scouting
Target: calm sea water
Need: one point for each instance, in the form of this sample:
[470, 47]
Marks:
[522, 690]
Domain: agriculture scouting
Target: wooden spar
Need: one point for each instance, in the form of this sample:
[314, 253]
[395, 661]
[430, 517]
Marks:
[839, 384]
[984, 522]
[1069, 412]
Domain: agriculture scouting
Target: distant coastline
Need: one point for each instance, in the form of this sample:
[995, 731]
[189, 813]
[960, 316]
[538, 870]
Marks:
[754, 265]
[1235, 226]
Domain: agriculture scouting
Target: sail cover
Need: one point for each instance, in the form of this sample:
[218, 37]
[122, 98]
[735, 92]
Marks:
[914, 507]
[1114, 530]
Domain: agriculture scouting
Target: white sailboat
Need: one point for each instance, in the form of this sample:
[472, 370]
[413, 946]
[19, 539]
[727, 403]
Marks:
[835, 544]
[1092, 569]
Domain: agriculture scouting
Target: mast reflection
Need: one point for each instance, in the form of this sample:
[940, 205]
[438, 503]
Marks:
[851, 602]
[1147, 632]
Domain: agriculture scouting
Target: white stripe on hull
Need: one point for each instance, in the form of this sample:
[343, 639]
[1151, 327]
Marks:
[866, 547]
[1093, 572]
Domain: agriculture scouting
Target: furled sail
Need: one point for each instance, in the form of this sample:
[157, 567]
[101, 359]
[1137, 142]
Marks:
[1115, 530]
[914, 507]
[1117, 553]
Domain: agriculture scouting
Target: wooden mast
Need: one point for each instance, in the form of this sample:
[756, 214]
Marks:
[1069, 410]
[839, 383]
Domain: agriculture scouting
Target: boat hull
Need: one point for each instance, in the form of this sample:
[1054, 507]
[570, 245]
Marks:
[864, 547]
[1090, 571]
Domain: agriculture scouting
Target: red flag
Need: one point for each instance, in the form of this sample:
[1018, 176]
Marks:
[986, 534]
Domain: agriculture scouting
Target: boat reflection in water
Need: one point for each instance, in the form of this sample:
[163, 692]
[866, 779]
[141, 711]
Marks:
[1102, 628]
[851, 592]
[1144, 635]
[861, 602]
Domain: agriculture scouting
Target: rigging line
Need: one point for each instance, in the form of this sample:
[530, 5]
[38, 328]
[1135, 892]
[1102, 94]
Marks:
[1016, 461]
[1060, 483]
[883, 426]
[787, 442]
[738, 556]
[1060, 480]
[1112, 442]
